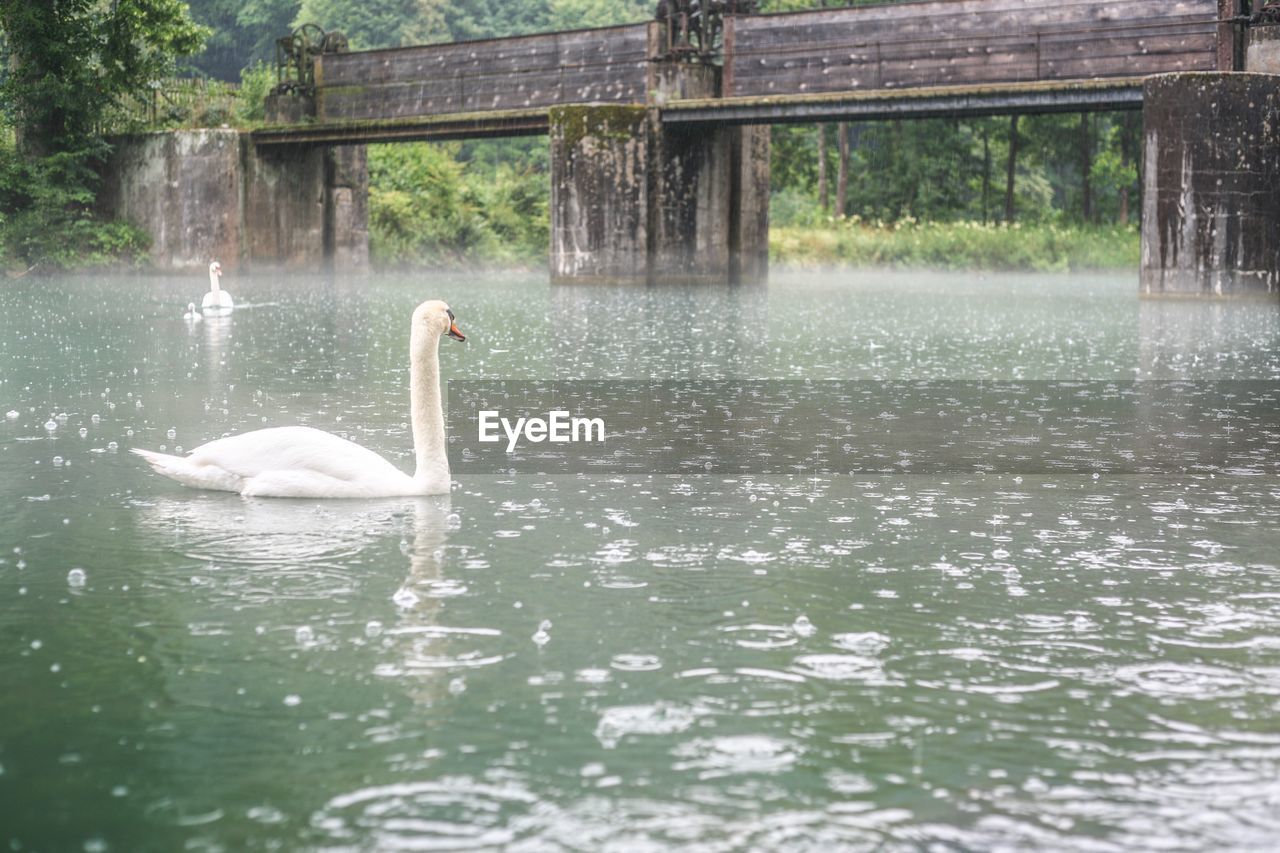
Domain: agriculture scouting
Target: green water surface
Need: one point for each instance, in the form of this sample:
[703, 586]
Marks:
[620, 663]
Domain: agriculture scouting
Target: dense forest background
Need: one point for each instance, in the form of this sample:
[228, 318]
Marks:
[840, 192]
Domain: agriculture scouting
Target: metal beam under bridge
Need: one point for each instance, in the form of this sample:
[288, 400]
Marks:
[938, 102]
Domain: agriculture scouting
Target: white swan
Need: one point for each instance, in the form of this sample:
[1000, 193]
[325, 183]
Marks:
[301, 462]
[217, 300]
[192, 314]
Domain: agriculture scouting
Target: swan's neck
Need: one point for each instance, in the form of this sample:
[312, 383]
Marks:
[427, 412]
[213, 281]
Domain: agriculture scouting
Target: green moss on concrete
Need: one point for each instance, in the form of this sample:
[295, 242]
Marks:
[612, 122]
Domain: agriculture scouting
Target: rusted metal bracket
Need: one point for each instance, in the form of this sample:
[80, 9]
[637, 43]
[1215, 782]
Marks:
[296, 56]
[695, 28]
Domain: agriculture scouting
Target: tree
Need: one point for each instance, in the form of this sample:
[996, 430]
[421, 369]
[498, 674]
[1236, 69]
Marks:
[242, 31]
[70, 61]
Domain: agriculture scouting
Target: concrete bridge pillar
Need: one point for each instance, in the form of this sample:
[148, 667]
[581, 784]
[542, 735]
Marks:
[632, 200]
[1211, 195]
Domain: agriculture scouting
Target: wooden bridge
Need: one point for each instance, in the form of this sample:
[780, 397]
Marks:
[905, 60]
[660, 150]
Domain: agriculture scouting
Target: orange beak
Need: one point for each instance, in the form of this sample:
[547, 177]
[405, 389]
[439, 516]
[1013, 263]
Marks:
[456, 333]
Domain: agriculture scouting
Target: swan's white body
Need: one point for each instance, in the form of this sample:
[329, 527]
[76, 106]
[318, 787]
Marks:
[217, 300]
[301, 462]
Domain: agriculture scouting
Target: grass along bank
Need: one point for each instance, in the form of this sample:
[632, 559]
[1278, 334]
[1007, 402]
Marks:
[955, 245]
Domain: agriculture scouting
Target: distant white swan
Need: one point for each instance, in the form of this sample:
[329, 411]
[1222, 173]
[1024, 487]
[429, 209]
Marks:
[301, 462]
[192, 314]
[217, 300]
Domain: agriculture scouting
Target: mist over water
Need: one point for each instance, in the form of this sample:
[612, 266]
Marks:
[1056, 661]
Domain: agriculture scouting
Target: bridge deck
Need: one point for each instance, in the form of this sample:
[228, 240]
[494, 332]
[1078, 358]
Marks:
[906, 60]
[986, 100]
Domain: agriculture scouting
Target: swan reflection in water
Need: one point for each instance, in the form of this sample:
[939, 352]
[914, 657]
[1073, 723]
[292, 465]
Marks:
[292, 556]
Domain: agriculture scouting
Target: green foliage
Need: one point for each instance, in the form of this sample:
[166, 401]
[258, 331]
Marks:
[49, 221]
[242, 32]
[428, 208]
[367, 24]
[956, 245]
[256, 82]
[576, 14]
[70, 63]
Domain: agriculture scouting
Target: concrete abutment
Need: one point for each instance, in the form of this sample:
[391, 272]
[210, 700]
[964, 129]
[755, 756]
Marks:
[634, 200]
[206, 194]
[1211, 193]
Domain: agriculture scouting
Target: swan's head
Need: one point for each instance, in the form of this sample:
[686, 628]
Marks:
[435, 317]
[215, 268]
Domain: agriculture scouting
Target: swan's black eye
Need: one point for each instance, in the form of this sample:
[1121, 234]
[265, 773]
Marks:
[450, 313]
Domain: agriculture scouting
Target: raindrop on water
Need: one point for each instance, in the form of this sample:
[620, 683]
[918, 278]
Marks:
[293, 700]
[542, 636]
[51, 425]
[803, 627]
[76, 578]
[11, 415]
[84, 432]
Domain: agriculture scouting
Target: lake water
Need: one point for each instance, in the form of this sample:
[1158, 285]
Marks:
[607, 662]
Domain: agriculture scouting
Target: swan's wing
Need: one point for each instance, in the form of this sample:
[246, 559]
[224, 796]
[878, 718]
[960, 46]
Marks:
[293, 449]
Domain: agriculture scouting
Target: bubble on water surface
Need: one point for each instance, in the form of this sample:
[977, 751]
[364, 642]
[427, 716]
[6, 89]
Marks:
[96, 418]
[293, 700]
[636, 662]
[660, 718]
[265, 815]
[11, 415]
[171, 433]
[372, 628]
[57, 462]
[304, 636]
[542, 636]
[51, 425]
[84, 433]
[113, 446]
[405, 597]
[803, 627]
[76, 578]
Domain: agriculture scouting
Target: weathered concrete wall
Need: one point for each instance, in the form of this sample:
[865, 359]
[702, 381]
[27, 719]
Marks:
[599, 194]
[206, 194]
[1262, 50]
[749, 205]
[181, 188]
[1211, 200]
[347, 218]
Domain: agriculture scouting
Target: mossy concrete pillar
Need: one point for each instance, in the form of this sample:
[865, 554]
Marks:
[634, 200]
[1211, 194]
[599, 193]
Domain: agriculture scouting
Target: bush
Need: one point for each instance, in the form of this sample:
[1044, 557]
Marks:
[957, 245]
[426, 208]
[256, 82]
[49, 221]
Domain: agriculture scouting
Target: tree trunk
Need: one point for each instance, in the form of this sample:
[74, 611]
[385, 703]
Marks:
[1011, 172]
[842, 176]
[824, 194]
[1086, 169]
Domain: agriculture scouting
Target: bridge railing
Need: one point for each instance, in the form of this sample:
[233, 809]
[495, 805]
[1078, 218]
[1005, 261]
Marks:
[956, 42]
[599, 65]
